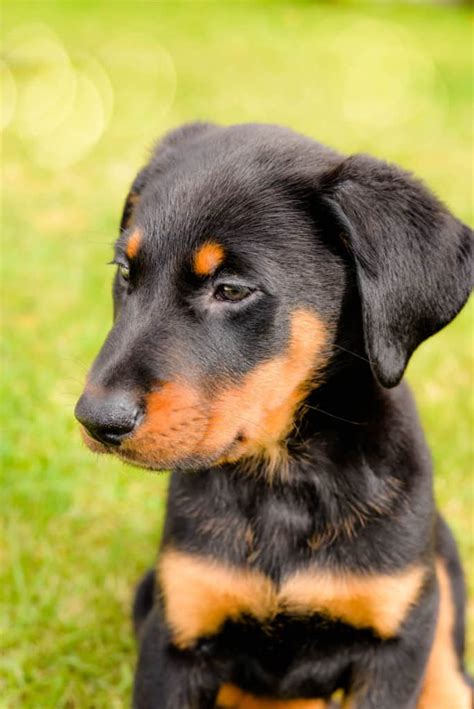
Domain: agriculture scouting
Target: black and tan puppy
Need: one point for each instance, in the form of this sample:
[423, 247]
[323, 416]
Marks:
[269, 294]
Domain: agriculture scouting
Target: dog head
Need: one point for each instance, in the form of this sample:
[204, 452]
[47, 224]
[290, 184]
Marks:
[246, 256]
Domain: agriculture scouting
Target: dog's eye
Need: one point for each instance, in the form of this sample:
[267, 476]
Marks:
[124, 271]
[231, 293]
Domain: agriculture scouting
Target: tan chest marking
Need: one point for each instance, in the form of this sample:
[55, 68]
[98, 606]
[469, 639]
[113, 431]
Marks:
[444, 685]
[200, 595]
[378, 601]
[231, 697]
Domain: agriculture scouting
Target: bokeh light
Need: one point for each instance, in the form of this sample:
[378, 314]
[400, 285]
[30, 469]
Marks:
[44, 77]
[134, 60]
[7, 95]
[60, 104]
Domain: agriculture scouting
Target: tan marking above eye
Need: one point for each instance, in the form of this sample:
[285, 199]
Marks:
[444, 685]
[200, 595]
[133, 243]
[207, 258]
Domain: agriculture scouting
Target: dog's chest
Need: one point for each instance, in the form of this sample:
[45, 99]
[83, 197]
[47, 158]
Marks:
[200, 595]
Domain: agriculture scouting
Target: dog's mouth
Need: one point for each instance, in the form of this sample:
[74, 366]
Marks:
[187, 426]
[164, 460]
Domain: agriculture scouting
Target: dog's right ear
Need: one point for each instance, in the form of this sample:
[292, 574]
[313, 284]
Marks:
[412, 258]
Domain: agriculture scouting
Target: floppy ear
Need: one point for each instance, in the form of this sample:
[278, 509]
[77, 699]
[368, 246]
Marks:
[412, 258]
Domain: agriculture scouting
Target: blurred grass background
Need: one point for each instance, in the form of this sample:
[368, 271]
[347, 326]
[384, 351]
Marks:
[87, 87]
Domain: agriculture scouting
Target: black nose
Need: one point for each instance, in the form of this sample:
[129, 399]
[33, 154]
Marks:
[108, 417]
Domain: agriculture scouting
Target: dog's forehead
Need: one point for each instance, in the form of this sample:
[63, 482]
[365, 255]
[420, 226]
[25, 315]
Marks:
[241, 211]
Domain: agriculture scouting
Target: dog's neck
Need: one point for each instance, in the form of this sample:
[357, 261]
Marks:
[335, 416]
[349, 398]
[339, 456]
[343, 471]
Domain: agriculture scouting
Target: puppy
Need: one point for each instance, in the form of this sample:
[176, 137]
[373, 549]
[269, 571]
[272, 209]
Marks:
[269, 293]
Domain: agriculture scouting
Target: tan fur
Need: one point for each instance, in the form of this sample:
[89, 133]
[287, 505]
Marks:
[231, 697]
[263, 405]
[207, 258]
[200, 595]
[378, 601]
[247, 419]
[444, 686]
[172, 429]
[133, 244]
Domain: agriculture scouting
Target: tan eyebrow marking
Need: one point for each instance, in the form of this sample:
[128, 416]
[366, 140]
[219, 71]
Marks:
[133, 244]
[207, 258]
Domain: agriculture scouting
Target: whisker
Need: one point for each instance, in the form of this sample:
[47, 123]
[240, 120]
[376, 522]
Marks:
[334, 416]
[253, 423]
[354, 354]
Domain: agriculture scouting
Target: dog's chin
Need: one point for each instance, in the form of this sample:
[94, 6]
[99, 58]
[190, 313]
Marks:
[232, 452]
[237, 450]
[190, 463]
[193, 462]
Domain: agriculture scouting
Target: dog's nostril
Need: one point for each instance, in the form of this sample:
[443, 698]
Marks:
[111, 435]
[110, 418]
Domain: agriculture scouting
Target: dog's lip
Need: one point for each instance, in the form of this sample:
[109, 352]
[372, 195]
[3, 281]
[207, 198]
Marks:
[129, 456]
[94, 444]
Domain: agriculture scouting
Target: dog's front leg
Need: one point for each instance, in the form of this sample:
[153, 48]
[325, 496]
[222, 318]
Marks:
[392, 677]
[167, 678]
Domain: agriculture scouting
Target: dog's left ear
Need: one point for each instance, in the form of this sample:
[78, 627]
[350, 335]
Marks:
[412, 258]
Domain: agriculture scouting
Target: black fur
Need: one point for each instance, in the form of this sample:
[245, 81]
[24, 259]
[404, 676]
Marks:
[384, 265]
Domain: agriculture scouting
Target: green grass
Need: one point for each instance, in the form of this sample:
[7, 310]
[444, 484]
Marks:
[79, 530]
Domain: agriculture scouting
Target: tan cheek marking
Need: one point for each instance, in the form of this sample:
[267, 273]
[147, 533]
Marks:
[444, 685]
[173, 425]
[378, 601]
[231, 697]
[200, 595]
[263, 406]
[133, 243]
[207, 258]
